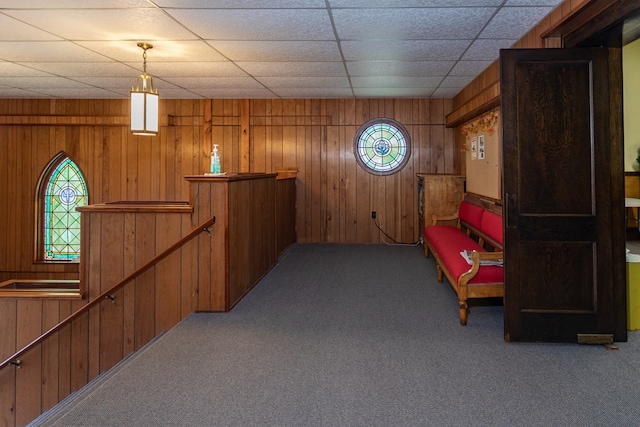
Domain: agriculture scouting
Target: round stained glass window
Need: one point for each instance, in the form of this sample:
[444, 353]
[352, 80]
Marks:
[382, 146]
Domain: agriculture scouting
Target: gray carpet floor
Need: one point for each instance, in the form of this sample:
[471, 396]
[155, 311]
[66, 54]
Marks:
[358, 335]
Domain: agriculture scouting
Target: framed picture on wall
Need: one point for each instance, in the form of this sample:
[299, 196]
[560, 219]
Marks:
[481, 147]
[474, 148]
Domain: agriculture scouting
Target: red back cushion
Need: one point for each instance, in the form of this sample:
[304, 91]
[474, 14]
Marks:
[471, 214]
[492, 225]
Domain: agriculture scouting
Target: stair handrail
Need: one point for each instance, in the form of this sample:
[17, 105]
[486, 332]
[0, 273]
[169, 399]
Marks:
[14, 359]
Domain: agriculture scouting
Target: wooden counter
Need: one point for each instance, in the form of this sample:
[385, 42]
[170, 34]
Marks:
[243, 243]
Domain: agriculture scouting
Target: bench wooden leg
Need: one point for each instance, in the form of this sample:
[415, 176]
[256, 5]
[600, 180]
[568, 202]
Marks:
[439, 270]
[426, 249]
[464, 312]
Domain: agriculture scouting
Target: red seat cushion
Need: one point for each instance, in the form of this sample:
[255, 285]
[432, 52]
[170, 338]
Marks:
[448, 241]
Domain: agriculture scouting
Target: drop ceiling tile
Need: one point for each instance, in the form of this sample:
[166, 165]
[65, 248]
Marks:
[304, 82]
[446, 92]
[10, 69]
[75, 69]
[163, 50]
[382, 92]
[405, 50]
[487, 49]
[469, 68]
[293, 69]
[242, 4]
[194, 83]
[514, 22]
[236, 93]
[12, 93]
[194, 69]
[335, 92]
[52, 51]
[41, 82]
[110, 24]
[410, 23]
[257, 24]
[12, 29]
[117, 83]
[75, 4]
[411, 3]
[285, 51]
[456, 81]
[77, 93]
[552, 3]
[400, 68]
[395, 82]
[178, 93]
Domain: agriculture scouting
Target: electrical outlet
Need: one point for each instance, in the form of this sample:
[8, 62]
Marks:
[373, 214]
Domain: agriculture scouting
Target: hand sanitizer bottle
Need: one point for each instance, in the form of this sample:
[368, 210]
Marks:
[215, 160]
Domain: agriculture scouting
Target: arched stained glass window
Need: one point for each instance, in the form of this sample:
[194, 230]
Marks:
[65, 191]
[382, 146]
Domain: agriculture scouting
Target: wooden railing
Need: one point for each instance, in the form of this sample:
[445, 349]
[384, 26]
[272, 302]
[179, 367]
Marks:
[15, 358]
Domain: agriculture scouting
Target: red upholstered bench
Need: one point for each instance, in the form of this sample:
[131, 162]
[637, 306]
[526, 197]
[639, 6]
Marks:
[476, 230]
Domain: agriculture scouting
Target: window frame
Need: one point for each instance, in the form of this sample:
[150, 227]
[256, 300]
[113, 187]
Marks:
[363, 130]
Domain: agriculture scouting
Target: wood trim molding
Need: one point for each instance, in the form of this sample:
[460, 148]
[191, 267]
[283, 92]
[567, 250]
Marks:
[484, 101]
[590, 20]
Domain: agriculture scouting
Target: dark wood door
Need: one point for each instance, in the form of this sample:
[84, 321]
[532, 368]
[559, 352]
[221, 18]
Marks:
[563, 184]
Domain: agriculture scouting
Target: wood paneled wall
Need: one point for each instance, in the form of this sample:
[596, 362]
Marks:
[335, 196]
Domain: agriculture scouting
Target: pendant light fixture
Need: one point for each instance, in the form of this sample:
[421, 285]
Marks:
[144, 101]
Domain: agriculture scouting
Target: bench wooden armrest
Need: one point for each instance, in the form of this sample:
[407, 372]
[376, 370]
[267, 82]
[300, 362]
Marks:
[477, 257]
[436, 218]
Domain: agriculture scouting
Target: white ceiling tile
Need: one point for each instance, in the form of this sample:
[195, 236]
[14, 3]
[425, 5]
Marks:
[286, 51]
[41, 82]
[242, 4]
[293, 69]
[179, 93]
[395, 82]
[552, 3]
[304, 82]
[469, 68]
[236, 93]
[214, 82]
[80, 93]
[456, 81]
[400, 68]
[404, 50]
[257, 24]
[313, 93]
[74, 4]
[75, 69]
[14, 30]
[58, 51]
[194, 69]
[113, 24]
[10, 69]
[446, 92]
[11, 92]
[163, 50]
[514, 22]
[410, 23]
[381, 92]
[486, 49]
[411, 3]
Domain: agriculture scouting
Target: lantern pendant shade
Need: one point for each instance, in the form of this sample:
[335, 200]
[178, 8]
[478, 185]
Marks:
[144, 103]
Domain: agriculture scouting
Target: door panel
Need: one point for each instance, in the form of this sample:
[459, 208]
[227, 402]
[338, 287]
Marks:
[563, 185]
